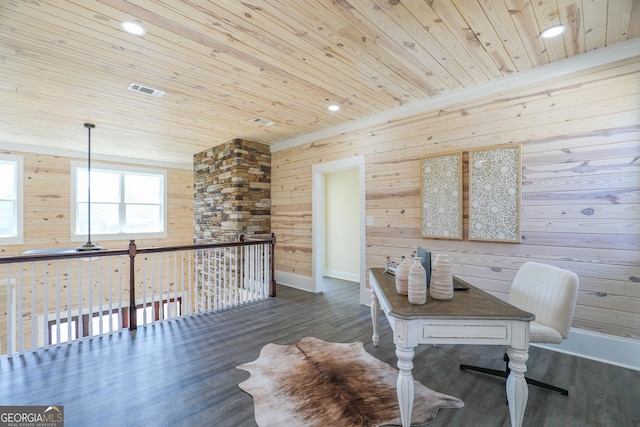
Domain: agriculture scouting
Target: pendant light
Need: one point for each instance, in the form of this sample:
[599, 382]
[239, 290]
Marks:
[89, 246]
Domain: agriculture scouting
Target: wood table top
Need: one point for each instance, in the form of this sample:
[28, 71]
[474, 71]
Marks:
[473, 303]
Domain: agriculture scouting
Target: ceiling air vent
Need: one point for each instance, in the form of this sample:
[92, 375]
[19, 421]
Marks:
[144, 89]
[264, 122]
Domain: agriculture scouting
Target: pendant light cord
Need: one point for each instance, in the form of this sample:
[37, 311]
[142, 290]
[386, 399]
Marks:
[89, 126]
[89, 246]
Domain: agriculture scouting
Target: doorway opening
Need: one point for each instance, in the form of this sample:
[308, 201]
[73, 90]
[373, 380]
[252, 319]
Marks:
[319, 172]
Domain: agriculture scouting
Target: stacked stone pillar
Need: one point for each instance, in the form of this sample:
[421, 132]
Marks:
[232, 188]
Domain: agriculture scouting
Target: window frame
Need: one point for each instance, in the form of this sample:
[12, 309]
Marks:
[158, 310]
[18, 239]
[122, 170]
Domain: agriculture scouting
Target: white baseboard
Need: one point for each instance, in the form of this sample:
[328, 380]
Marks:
[600, 347]
[295, 281]
[342, 275]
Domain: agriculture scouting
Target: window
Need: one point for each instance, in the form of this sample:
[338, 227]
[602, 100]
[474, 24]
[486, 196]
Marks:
[10, 200]
[125, 203]
[145, 314]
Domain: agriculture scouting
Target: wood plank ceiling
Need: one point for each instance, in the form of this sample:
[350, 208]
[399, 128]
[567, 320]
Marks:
[222, 64]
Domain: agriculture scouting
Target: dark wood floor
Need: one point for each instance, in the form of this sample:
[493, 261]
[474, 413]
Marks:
[182, 372]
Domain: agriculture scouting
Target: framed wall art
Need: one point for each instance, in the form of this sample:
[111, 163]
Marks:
[494, 193]
[442, 196]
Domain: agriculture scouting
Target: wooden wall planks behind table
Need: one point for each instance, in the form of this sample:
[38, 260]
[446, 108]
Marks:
[580, 137]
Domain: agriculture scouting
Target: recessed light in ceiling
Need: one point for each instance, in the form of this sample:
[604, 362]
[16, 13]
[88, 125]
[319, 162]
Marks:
[554, 30]
[334, 107]
[133, 27]
[264, 122]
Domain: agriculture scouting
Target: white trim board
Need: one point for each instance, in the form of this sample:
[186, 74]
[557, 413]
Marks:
[616, 52]
[295, 281]
[342, 275]
[599, 347]
[25, 148]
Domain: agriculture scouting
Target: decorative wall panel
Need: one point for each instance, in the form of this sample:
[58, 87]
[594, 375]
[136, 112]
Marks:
[442, 196]
[494, 194]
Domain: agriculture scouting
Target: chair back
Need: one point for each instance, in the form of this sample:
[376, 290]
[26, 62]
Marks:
[548, 292]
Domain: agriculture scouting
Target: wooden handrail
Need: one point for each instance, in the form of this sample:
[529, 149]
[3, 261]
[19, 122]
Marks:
[132, 251]
[72, 253]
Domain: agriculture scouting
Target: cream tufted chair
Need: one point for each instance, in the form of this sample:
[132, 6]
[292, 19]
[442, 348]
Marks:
[550, 293]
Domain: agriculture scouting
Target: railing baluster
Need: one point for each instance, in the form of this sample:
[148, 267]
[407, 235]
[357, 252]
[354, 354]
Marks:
[57, 302]
[144, 291]
[45, 316]
[221, 292]
[218, 294]
[18, 320]
[80, 325]
[10, 314]
[69, 317]
[175, 286]
[90, 301]
[120, 310]
[191, 262]
[208, 280]
[159, 281]
[100, 323]
[110, 282]
[199, 303]
[233, 282]
[34, 313]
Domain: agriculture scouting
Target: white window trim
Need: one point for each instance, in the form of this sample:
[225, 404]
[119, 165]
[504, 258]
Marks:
[18, 239]
[95, 237]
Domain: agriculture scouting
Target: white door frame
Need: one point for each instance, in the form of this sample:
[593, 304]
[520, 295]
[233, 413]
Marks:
[318, 219]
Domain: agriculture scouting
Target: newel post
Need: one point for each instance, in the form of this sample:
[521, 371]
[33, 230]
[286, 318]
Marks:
[133, 321]
[272, 284]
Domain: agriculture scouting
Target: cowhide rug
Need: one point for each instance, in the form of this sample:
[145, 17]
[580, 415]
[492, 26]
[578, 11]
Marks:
[317, 383]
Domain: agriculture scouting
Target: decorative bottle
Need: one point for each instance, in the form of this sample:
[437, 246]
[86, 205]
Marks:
[417, 282]
[402, 277]
[441, 278]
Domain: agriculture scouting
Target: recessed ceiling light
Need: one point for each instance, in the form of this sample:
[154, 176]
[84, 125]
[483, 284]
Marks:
[264, 122]
[133, 27]
[334, 107]
[553, 31]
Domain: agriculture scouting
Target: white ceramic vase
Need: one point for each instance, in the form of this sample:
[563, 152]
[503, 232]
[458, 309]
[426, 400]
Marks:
[417, 283]
[402, 277]
[441, 286]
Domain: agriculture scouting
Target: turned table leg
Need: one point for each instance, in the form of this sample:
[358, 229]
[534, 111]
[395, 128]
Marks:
[405, 386]
[375, 314]
[517, 389]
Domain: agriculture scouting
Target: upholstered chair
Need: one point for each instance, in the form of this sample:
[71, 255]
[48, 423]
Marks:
[550, 293]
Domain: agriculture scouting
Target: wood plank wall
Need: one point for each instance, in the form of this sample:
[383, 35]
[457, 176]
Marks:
[47, 207]
[580, 138]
